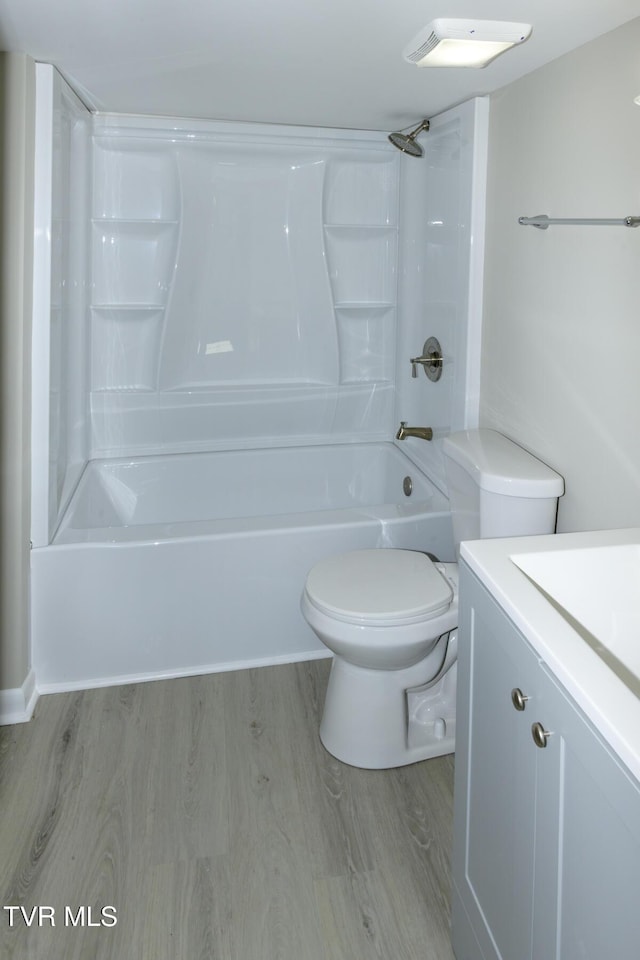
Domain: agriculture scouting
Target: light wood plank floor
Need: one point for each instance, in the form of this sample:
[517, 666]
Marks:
[207, 813]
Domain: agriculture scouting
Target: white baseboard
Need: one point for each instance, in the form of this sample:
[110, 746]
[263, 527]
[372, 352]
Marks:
[91, 683]
[17, 704]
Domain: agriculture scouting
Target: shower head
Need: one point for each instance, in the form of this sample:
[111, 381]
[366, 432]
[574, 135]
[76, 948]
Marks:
[406, 142]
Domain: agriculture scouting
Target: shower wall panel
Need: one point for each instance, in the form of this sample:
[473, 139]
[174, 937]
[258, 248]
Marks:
[60, 402]
[440, 285]
[244, 285]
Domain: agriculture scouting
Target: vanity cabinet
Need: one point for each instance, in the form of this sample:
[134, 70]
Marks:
[546, 862]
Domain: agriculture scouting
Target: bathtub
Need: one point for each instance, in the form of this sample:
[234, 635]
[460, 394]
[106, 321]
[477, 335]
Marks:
[175, 565]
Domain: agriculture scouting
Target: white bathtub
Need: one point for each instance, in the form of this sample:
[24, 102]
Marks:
[166, 566]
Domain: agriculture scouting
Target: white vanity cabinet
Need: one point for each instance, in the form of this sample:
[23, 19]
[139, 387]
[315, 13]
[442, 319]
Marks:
[546, 859]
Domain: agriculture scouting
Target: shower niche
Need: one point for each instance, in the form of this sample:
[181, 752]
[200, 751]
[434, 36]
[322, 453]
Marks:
[243, 288]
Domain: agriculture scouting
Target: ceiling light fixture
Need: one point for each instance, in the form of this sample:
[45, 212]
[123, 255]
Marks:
[464, 43]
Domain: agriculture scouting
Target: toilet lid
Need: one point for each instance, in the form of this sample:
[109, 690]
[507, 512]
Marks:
[379, 585]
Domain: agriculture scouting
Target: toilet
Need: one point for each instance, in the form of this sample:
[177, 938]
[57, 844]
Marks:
[389, 616]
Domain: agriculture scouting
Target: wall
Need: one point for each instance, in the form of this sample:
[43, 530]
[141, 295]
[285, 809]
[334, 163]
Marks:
[561, 336]
[17, 91]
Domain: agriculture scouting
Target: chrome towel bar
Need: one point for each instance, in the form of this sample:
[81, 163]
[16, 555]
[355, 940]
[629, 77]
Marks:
[542, 221]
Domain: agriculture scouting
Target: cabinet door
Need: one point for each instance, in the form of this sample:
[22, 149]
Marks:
[546, 861]
[495, 783]
[587, 848]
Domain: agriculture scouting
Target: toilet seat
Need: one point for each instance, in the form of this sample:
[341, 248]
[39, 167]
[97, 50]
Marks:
[379, 587]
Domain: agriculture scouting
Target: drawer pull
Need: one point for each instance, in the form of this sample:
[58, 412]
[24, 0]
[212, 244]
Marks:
[540, 735]
[518, 698]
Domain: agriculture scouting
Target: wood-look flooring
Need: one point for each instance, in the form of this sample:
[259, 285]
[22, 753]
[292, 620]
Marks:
[207, 813]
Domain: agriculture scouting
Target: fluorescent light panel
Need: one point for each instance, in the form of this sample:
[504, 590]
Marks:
[464, 43]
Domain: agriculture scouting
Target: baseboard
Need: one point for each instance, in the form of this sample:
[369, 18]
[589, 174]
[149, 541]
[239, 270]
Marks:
[18, 703]
[91, 683]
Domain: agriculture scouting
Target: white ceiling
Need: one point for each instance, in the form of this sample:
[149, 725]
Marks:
[334, 63]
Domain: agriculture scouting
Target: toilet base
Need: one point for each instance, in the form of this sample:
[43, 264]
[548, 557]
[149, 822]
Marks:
[374, 719]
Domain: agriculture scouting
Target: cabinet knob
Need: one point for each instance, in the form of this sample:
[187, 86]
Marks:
[539, 734]
[518, 698]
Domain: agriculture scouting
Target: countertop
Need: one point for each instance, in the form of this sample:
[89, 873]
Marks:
[612, 707]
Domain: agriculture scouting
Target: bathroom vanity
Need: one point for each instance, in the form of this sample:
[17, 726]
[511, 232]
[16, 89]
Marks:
[547, 793]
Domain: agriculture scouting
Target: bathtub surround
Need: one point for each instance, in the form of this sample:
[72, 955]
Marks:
[249, 286]
[239, 304]
[244, 286]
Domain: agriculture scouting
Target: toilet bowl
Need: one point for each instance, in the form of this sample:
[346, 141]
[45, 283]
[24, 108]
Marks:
[389, 616]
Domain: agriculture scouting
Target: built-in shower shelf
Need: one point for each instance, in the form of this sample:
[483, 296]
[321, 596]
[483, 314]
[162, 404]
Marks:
[132, 260]
[125, 339]
[361, 261]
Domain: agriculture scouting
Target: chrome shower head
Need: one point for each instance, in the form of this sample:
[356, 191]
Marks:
[406, 142]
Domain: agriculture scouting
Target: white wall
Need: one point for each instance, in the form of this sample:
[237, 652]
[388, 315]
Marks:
[561, 341]
[16, 253]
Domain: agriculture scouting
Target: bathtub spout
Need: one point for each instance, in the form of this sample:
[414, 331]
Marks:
[423, 433]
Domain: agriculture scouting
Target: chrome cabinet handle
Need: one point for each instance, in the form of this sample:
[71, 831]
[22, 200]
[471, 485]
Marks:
[540, 735]
[518, 699]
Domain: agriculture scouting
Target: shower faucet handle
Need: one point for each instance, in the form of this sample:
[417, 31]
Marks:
[425, 361]
[431, 360]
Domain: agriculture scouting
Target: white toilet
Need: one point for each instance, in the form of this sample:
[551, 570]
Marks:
[389, 616]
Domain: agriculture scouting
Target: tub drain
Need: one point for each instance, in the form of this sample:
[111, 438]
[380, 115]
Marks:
[407, 486]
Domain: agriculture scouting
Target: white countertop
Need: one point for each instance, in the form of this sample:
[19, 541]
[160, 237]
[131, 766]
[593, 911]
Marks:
[613, 708]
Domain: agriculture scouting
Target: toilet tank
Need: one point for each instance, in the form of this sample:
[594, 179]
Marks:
[497, 489]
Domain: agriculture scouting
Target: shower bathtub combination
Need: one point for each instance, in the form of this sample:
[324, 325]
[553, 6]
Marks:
[224, 316]
[177, 565]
